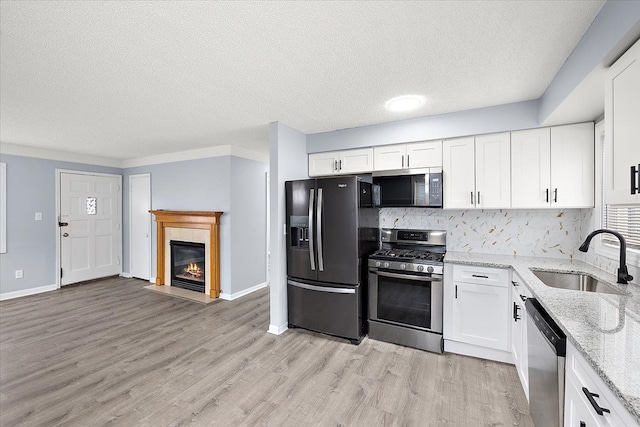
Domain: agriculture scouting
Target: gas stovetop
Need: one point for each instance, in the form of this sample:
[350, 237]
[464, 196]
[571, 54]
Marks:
[410, 255]
[420, 251]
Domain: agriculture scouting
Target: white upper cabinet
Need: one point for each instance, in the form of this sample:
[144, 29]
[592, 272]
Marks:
[493, 171]
[341, 162]
[530, 168]
[477, 172]
[389, 157]
[412, 155]
[572, 166]
[458, 169]
[553, 167]
[622, 129]
[424, 154]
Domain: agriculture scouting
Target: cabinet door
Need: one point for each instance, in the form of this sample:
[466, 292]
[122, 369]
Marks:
[480, 315]
[323, 164]
[622, 128]
[389, 157]
[572, 166]
[355, 161]
[458, 167]
[424, 154]
[531, 168]
[519, 339]
[493, 171]
[577, 411]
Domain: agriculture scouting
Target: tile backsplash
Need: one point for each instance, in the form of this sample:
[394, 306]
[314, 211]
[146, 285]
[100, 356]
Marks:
[545, 232]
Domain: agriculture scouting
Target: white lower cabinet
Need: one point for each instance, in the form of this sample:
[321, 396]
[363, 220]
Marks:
[588, 402]
[476, 312]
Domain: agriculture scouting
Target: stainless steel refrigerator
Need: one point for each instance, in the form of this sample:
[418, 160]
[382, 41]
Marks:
[332, 225]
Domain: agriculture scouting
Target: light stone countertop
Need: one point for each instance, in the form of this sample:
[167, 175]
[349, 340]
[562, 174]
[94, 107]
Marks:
[605, 328]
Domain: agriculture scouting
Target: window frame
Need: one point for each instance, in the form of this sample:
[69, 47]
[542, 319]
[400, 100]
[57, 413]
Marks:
[601, 247]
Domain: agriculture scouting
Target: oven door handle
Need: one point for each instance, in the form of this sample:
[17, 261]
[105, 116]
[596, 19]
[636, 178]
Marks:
[406, 276]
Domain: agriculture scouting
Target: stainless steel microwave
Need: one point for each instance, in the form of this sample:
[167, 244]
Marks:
[410, 188]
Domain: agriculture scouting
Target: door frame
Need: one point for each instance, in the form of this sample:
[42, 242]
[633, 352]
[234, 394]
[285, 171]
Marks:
[59, 173]
[150, 226]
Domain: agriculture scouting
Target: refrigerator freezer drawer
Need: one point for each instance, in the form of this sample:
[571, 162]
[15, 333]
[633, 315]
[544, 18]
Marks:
[333, 310]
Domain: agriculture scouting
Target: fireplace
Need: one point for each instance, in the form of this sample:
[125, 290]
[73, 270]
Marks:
[188, 265]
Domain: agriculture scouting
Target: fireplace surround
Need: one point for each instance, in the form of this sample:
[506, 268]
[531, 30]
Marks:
[179, 225]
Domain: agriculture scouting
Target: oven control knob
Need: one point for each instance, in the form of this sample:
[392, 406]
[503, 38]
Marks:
[386, 265]
[403, 266]
[430, 269]
[378, 263]
[420, 268]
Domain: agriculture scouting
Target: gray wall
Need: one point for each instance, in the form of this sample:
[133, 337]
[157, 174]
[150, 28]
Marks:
[608, 29]
[190, 185]
[233, 185]
[520, 115]
[248, 227]
[31, 245]
[287, 161]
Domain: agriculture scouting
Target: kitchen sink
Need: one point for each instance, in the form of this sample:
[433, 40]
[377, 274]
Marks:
[575, 282]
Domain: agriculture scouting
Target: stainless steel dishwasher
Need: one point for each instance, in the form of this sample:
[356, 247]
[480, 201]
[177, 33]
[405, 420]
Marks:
[547, 346]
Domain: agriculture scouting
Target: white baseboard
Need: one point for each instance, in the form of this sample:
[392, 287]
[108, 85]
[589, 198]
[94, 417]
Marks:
[277, 330]
[231, 297]
[477, 351]
[26, 292]
[152, 280]
[126, 275]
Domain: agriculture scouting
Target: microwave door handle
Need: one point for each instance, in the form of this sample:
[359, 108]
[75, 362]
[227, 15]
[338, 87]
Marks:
[427, 189]
[319, 228]
[312, 255]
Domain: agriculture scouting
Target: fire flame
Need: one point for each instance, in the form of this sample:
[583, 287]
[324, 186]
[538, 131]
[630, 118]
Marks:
[193, 270]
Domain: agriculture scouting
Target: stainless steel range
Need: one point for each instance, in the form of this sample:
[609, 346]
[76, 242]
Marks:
[405, 288]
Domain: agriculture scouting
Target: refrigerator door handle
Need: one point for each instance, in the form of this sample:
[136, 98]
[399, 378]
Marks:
[312, 255]
[325, 289]
[319, 228]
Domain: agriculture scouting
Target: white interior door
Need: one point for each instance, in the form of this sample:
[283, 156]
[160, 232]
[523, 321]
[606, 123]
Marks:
[90, 240]
[140, 226]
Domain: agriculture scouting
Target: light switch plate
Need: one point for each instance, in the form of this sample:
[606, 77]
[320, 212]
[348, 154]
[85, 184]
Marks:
[38, 216]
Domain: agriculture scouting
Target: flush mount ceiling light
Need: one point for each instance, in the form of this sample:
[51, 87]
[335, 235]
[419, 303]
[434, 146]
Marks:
[404, 103]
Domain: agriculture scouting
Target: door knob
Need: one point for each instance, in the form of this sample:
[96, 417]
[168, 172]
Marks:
[65, 235]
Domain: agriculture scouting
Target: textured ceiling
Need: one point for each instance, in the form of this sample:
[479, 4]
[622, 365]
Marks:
[131, 79]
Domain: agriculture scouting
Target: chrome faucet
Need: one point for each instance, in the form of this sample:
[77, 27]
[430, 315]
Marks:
[623, 273]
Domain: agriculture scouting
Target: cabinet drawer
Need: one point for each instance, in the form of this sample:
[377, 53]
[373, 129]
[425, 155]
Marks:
[481, 275]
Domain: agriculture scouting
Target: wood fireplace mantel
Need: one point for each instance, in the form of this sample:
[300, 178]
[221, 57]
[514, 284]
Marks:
[190, 219]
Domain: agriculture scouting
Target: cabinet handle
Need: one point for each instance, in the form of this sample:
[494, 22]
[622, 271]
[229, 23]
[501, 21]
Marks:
[523, 298]
[403, 161]
[340, 165]
[635, 184]
[555, 195]
[515, 283]
[583, 424]
[478, 197]
[472, 197]
[407, 160]
[546, 199]
[456, 291]
[479, 276]
[335, 165]
[593, 402]
[515, 312]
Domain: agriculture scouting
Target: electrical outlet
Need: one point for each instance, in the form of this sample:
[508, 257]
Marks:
[19, 274]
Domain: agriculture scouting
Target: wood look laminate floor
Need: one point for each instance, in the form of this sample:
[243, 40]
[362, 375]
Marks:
[112, 353]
